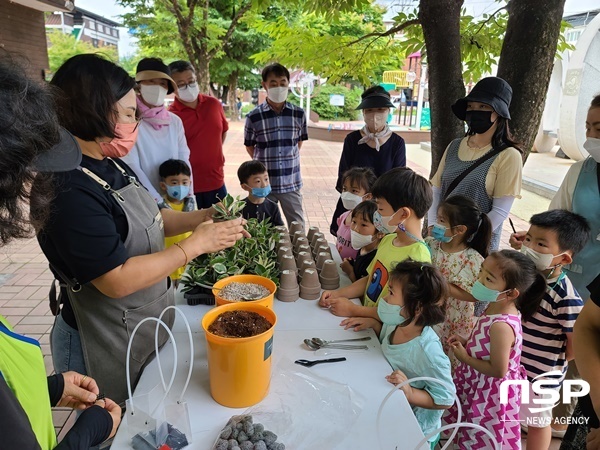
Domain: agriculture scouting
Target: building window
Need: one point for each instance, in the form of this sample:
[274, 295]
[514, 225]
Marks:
[100, 28]
[92, 25]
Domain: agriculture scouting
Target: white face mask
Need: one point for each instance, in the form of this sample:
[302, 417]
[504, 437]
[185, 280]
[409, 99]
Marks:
[542, 261]
[277, 94]
[189, 94]
[153, 94]
[384, 222]
[358, 241]
[592, 145]
[350, 200]
[376, 120]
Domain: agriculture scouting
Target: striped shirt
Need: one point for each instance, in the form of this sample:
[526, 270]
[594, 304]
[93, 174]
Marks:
[275, 140]
[544, 335]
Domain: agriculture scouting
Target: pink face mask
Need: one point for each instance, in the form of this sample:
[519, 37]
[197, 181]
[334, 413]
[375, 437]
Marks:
[122, 144]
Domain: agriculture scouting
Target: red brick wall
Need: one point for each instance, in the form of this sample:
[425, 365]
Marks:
[22, 30]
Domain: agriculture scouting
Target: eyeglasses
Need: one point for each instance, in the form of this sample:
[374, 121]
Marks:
[183, 87]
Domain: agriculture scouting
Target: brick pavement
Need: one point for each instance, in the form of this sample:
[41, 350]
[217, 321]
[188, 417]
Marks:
[25, 278]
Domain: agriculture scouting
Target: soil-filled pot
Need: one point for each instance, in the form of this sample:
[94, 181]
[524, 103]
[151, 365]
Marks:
[256, 279]
[239, 368]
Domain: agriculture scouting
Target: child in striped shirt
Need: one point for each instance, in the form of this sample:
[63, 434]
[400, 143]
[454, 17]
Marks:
[554, 237]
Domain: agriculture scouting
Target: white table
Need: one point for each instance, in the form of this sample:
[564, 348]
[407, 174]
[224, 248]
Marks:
[364, 372]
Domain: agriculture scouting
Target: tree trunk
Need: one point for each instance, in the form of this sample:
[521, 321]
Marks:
[440, 20]
[526, 62]
[232, 96]
[202, 74]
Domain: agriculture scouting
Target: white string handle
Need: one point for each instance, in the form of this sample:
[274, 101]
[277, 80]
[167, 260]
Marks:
[129, 391]
[404, 383]
[187, 325]
[456, 426]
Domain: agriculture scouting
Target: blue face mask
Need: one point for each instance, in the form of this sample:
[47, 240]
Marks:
[178, 191]
[261, 192]
[439, 233]
[389, 314]
[484, 293]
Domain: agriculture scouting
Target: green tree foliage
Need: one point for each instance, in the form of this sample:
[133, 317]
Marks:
[320, 102]
[63, 46]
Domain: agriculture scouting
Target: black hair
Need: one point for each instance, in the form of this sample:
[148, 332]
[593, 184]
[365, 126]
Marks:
[572, 230]
[519, 272]
[90, 87]
[174, 167]
[29, 127]
[424, 289]
[363, 176]
[595, 102]
[249, 168]
[461, 210]
[365, 210]
[502, 136]
[375, 90]
[181, 66]
[402, 187]
[276, 69]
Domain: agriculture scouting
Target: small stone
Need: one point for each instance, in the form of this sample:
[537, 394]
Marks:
[249, 428]
[258, 427]
[236, 448]
[269, 437]
[279, 446]
[257, 436]
[226, 432]
[247, 445]
[260, 445]
[222, 444]
[235, 433]
[242, 437]
[239, 426]
[232, 443]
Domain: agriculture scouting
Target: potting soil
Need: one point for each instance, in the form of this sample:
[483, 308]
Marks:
[239, 324]
[237, 292]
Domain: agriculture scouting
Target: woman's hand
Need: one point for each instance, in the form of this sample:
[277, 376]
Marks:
[210, 237]
[516, 239]
[80, 391]
[359, 323]
[115, 412]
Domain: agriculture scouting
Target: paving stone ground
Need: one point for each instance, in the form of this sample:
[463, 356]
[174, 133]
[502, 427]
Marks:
[25, 278]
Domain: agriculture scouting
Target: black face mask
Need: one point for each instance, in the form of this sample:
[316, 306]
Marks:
[479, 121]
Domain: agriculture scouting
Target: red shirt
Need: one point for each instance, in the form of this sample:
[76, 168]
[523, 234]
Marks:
[204, 127]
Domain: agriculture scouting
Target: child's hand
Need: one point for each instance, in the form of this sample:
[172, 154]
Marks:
[516, 239]
[456, 338]
[358, 323]
[341, 306]
[459, 351]
[397, 377]
[326, 296]
[346, 266]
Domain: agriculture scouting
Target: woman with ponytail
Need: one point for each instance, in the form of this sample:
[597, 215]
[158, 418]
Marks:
[459, 242]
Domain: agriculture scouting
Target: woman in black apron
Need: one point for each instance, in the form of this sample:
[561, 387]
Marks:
[486, 165]
[29, 130]
[105, 236]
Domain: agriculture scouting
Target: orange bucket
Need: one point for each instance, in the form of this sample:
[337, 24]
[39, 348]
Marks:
[256, 279]
[239, 368]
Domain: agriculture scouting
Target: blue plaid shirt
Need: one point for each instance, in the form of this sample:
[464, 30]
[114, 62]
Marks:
[275, 140]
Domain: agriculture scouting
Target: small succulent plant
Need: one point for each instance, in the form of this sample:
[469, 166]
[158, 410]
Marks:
[254, 255]
[228, 209]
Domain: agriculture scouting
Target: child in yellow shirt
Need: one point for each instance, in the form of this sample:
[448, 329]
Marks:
[175, 180]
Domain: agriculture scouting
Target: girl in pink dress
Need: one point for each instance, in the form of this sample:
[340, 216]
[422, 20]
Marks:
[514, 288]
[356, 187]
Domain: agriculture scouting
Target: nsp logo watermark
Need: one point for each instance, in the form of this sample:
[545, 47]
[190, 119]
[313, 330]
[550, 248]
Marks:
[551, 396]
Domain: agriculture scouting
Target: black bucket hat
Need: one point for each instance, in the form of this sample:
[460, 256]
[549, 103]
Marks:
[150, 68]
[492, 91]
[376, 98]
[64, 156]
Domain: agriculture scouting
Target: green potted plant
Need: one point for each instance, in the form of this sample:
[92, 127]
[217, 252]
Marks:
[254, 255]
[228, 209]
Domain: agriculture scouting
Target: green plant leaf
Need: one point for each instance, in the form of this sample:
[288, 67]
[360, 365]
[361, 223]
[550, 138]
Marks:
[220, 268]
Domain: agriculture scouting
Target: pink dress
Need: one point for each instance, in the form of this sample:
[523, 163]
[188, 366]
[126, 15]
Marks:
[343, 245]
[480, 394]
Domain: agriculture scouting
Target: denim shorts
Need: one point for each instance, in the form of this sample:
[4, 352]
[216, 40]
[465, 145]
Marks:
[67, 352]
